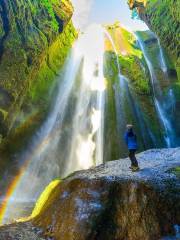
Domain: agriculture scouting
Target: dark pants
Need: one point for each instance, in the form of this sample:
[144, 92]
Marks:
[132, 157]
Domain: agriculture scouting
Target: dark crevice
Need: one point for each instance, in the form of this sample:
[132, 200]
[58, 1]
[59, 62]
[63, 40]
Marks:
[60, 23]
[6, 26]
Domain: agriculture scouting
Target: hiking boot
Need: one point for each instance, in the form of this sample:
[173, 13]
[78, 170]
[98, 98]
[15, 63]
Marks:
[135, 169]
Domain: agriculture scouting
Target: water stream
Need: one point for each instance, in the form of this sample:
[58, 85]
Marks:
[127, 105]
[161, 58]
[164, 119]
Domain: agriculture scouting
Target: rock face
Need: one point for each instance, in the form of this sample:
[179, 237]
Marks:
[163, 18]
[109, 202]
[34, 39]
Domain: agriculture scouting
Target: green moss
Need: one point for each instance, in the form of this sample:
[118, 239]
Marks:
[4, 113]
[132, 68]
[36, 48]
[45, 198]
[175, 171]
[130, 57]
[48, 5]
[38, 91]
[37, 99]
[163, 17]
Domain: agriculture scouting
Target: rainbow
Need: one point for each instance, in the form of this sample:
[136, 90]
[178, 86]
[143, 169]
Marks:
[11, 188]
[18, 177]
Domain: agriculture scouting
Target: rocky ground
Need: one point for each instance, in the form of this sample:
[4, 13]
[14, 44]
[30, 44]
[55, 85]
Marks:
[110, 202]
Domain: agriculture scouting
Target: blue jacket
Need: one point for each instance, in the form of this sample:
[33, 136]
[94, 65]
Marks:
[131, 140]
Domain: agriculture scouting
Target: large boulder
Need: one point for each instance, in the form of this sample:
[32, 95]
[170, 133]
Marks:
[109, 202]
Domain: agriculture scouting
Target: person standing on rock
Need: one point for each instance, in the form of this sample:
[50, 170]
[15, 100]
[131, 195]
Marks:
[131, 141]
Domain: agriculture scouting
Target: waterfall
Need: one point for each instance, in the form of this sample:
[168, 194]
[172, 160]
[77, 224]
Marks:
[128, 105]
[162, 59]
[126, 101]
[72, 136]
[115, 50]
[158, 101]
[90, 106]
[170, 101]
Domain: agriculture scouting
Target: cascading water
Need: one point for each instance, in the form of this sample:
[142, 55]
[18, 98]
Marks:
[162, 59]
[127, 104]
[170, 100]
[158, 101]
[72, 137]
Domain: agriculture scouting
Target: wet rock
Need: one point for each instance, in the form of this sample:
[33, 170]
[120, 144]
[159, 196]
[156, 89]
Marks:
[21, 231]
[110, 202]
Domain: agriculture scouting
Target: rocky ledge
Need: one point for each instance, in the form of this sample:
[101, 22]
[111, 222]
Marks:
[109, 202]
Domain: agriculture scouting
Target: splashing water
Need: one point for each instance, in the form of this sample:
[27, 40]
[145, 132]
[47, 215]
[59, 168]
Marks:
[72, 136]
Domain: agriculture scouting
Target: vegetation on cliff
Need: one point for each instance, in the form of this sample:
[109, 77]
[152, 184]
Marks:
[162, 16]
[35, 39]
[129, 55]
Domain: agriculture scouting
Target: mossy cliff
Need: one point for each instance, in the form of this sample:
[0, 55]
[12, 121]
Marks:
[162, 17]
[136, 102]
[35, 37]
